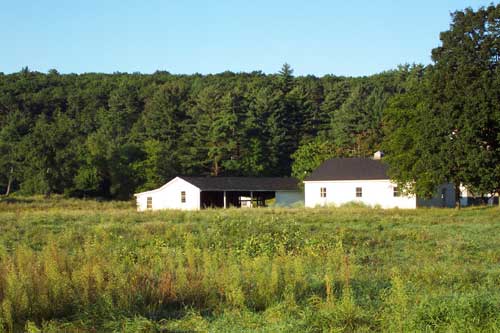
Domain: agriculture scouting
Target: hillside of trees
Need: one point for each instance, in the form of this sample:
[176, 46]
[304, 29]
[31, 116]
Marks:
[112, 134]
[108, 135]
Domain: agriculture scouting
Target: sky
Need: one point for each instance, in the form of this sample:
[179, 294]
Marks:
[349, 37]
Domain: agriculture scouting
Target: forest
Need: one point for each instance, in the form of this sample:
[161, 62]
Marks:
[109, 135]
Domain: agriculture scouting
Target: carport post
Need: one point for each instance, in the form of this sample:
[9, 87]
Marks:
[225, 203]
[251, 198]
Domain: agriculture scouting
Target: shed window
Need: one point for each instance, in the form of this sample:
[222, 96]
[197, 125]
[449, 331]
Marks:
[183, 196]
[322, 192]
[395, 191]
[359, 192]
[149, 202]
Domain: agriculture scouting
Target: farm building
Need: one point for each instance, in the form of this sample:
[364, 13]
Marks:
[469, 198]
[365, 180]
[193, 193]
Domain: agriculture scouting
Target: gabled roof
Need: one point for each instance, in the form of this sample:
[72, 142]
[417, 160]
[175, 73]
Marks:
[349, 169]
[243, 183]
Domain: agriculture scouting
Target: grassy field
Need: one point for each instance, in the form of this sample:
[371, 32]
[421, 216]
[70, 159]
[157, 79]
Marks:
[78, 266]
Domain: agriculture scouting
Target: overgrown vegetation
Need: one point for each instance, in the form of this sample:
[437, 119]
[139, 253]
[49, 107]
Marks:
[74, 265]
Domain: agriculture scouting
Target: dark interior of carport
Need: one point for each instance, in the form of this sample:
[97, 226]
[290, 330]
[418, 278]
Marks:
[215, 199]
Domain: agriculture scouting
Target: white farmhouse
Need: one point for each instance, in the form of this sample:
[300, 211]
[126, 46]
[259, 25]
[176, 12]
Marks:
[193, 193]
[343, 180]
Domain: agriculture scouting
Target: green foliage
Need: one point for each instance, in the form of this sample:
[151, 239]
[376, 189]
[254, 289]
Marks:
[356, 110]
[12, 129]
[48, 159]
[309, 156]
[395, 314]
[286, 78]
[79, 265]
[446, 129]
[99, 135]
[409, 126]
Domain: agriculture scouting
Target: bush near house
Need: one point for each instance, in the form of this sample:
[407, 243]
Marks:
[75, 265]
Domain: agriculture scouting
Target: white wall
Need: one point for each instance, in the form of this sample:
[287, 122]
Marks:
[466, 196]
[288, 198]
[169, 196]
[375, 192]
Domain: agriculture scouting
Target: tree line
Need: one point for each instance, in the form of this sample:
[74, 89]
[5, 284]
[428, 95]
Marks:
[112, 134]
[108, 135]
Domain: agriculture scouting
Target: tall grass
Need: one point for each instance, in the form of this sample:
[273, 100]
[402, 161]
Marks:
[84, 265]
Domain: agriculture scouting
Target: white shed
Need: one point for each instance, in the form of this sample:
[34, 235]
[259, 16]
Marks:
[193, 193]
[365, 180]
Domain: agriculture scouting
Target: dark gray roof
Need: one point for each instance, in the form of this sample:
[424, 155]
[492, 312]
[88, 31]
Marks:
[243, 183]
[350, 169]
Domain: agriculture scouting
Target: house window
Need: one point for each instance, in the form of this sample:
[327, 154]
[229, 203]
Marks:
[183, 196]
[322, 192]
[149, 202]
[359, 192]
[395, 191]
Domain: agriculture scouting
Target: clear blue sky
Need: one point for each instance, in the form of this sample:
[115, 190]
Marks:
[346, 37]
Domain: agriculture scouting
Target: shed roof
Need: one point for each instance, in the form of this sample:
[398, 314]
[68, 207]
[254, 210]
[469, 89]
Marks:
[349, 169]
[243, 183]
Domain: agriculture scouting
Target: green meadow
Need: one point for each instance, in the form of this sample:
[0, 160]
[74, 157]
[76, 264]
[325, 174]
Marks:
[78, 266]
